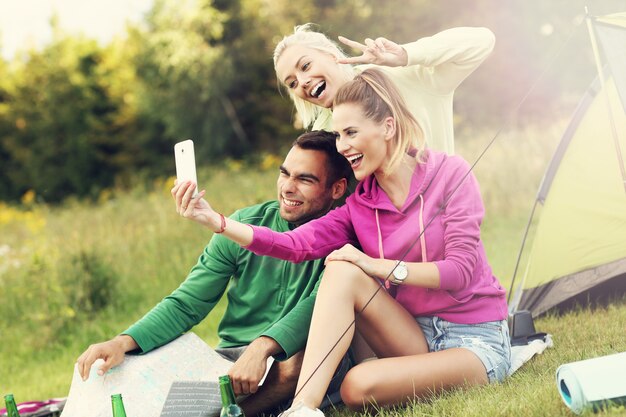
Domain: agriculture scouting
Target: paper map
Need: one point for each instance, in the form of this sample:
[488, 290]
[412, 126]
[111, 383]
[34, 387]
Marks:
[145, 380]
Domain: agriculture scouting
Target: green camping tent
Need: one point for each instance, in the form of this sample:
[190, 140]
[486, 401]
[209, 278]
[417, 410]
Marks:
[578, 251]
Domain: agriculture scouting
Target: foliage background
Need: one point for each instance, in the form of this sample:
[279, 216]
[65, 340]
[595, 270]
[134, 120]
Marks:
[77, 117]
[88, 238]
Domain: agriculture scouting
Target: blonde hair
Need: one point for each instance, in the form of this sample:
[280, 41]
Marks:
[379, 98]
[305, 35]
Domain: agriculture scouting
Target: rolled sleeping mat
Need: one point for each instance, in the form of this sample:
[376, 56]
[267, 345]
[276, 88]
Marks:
[593, 383]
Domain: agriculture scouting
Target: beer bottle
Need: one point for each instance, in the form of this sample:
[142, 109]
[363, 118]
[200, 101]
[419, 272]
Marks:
[118, 405]
[9, 401]
[229, 406]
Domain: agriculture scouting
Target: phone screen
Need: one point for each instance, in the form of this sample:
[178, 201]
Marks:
[185, 162]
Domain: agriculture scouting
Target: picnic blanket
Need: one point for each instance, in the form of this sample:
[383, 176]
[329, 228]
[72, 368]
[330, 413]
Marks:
[523, 353]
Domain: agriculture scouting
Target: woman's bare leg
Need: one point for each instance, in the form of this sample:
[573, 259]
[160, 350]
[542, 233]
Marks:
[344, 289]
[397, 380]
[361, 351]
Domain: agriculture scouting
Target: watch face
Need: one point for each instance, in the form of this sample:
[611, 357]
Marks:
[400, 272]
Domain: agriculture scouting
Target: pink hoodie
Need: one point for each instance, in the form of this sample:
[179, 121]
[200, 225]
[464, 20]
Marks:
[468, 292]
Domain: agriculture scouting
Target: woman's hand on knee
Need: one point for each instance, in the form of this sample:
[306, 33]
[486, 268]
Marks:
[350, 254]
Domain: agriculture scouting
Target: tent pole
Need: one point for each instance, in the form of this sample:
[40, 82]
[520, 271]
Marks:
[596, 54]
[521, 250]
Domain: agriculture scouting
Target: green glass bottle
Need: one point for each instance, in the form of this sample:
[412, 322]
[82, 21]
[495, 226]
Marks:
[11, 407]
[118, 405]
[229, 405]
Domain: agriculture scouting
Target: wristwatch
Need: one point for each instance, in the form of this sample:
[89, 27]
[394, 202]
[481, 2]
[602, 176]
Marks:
[400, 272]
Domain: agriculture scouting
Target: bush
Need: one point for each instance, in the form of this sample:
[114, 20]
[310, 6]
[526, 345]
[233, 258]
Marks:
[90, 283]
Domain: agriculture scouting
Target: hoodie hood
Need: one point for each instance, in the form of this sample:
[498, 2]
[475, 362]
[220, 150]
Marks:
[369, 194]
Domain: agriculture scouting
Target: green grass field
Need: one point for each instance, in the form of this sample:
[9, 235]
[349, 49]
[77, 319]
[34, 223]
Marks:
[82, 272]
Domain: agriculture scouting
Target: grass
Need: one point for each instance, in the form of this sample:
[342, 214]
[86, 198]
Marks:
[531, 391]
[57, 261]
[83, 272]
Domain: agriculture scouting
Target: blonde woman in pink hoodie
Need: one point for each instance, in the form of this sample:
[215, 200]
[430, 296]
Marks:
[410, 234]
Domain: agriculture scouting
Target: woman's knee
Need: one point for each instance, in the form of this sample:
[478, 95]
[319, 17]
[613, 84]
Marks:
[341, 274]
[345, 281]
[356, 389]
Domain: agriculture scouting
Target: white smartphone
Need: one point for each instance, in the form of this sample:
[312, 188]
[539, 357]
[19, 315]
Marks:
[186, 162]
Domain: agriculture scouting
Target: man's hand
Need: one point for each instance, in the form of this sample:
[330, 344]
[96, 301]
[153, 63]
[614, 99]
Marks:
[249, 369]
[112, 351]
[195, 208]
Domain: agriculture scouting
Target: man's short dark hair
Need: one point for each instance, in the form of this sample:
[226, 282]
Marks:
[337, 166]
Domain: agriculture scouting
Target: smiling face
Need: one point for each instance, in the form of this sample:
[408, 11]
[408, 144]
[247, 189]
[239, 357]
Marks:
[310, 74]
[303, 191]
[363, 141]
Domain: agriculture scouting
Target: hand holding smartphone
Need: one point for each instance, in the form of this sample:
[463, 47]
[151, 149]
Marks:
[185, 158]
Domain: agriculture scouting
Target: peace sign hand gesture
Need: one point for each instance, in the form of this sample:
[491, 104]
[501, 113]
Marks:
[380, 52]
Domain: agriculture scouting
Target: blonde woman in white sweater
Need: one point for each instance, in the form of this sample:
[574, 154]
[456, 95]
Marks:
[312, 68]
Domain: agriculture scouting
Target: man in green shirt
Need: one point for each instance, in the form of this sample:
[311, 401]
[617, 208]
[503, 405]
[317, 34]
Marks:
[270, 301]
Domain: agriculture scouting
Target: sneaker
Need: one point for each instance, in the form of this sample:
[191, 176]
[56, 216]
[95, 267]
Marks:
[301, 410]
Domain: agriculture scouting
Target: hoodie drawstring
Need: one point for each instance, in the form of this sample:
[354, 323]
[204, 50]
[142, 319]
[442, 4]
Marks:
[421, 230]
[381, 253]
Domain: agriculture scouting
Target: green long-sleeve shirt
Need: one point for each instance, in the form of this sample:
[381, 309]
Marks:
[266, 296]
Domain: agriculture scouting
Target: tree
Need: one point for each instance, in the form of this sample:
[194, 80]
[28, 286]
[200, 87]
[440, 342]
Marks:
[67, 126]
[183, 72]
[6, 188]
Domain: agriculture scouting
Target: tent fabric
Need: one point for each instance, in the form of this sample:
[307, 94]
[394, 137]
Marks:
[580, 237]
[612, 36]
[583, 220]
[592, 286]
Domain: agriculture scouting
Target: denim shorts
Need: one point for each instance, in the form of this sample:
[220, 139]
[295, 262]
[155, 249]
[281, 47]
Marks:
[489, 341]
